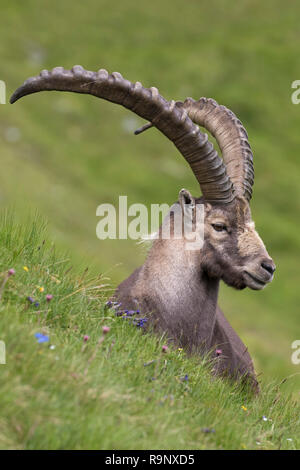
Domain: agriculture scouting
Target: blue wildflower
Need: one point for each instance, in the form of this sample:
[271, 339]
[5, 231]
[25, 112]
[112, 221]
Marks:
[41, 338]
[141, 323]
[125, 313]
[36, 304]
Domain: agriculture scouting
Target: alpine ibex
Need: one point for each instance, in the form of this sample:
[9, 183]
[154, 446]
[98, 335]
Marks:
[178, 288]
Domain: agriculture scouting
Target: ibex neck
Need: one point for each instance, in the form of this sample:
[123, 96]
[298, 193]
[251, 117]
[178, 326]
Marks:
[179, 293]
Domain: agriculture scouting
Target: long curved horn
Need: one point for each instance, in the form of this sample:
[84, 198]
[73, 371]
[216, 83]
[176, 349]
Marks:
[232, 139]
[172, 121]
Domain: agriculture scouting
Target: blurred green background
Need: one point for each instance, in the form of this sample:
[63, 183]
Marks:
[65, 154]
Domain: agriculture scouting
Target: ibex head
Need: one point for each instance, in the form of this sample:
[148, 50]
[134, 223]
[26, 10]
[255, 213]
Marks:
[232, 249]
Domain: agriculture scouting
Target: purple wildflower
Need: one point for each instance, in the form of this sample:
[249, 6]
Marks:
[86, 338]
[130, 313]
[49, 297]
[164, 348]
[31, 300]
[116, 305]
[11, 272]
[208, 430]
[105, 329]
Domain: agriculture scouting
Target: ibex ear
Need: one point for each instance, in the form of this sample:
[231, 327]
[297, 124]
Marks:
[208, 207]
[186, 201]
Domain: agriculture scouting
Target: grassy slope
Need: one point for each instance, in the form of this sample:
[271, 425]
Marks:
[74, 152]
[83, 395]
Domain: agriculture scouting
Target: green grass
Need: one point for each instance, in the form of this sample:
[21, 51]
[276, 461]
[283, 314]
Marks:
[65, 154]
[73, 152]
[106, 393]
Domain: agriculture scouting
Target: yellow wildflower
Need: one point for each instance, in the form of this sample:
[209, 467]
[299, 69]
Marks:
[25, 268]
[244, 408]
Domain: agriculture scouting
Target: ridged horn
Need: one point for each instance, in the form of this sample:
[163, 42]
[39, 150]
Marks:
[170, 119]
[232, 139]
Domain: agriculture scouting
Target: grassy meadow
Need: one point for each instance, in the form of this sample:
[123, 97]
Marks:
[80, 377]
[62, 155]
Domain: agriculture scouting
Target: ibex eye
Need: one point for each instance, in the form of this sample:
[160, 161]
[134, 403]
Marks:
[219, 227]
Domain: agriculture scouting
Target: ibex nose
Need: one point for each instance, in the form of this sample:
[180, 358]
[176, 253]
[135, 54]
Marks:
[269, 266]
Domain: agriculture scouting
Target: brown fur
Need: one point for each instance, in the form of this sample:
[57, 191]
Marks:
[177, 289]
